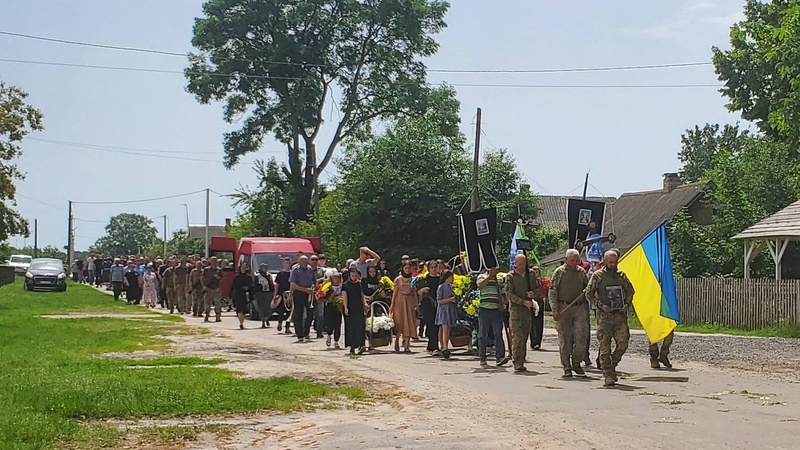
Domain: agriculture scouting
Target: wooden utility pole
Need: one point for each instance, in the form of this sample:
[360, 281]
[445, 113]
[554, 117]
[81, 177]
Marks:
[35, 238]
[70, 236]
[208, 218]
[476, 200]
[165, 236]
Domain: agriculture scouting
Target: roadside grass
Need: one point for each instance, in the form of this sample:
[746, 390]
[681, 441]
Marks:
[54, 385]
[785, 330]
[178, 361]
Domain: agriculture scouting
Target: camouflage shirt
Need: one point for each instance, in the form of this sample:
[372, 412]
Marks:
[613, 289]
[181, 274]
[566, 285]
[168, 278]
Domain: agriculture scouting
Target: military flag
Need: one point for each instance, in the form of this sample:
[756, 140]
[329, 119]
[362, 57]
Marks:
[649, 267]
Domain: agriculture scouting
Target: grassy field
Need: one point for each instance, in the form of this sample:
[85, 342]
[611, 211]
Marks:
[54, 382]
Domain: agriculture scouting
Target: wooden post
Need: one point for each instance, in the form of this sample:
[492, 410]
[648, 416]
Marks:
[476, 201]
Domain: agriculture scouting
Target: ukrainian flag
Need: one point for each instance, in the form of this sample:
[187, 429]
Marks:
[649, 267]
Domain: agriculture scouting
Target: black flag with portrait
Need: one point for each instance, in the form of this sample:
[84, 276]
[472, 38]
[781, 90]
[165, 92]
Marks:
[584, 217]
[479, 231]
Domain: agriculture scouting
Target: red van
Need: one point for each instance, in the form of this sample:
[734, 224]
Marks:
[255, 251]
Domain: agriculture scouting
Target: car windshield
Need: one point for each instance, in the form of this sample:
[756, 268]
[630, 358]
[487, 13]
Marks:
[273, 260]
[45, 265]
[21, 259]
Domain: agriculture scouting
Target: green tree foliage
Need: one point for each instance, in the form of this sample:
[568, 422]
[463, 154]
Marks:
[401, 191]
[276, 63]
[126, 234]
[181, 244]
[761, 71]
[546, 240]
[700, 148]
[17, 119]
[751, 178]
[266, 210]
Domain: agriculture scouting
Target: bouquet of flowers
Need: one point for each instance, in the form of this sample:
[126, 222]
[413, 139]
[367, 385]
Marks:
[469, 303]
[380, 326]
[385, 289]
[420, 281]
[461, 285]
[328, 294]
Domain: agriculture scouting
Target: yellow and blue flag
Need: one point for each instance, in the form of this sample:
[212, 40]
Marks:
[649, 267]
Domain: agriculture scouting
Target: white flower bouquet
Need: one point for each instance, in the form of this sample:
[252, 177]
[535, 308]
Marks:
[380, 325]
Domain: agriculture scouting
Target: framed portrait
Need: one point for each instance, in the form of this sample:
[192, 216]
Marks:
[584, 217]
[482, 227]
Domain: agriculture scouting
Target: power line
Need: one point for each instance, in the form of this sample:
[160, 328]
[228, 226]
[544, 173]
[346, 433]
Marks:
[89, 220]
[480, 85]
[140, 200]
[148, 70]
[288, 63]
[83, 145]
[39, 201]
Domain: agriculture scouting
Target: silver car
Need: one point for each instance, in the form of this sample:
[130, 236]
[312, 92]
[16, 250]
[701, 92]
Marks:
[20, 263]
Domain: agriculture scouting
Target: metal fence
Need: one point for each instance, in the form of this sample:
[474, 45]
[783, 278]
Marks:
[739, 303]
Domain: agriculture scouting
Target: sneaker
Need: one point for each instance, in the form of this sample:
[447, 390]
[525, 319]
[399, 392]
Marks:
[536, 347]
[436, 353]
[520, 369]
[361, 350]
[587, 362]
[578, 371]
[567, 373]
[502, 362]
[299, 341]
[446, 354]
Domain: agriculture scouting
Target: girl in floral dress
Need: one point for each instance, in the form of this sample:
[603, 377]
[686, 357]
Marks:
[150, 287]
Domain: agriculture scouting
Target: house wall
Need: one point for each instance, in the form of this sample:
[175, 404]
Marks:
[701, 212]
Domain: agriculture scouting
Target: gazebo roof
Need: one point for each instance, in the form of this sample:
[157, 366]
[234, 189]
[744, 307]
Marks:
[783, 224]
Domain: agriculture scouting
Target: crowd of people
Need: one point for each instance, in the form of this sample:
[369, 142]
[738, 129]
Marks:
[313, 298]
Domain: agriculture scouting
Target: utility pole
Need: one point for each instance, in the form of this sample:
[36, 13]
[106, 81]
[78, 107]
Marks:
[165, 236]
[187, 216]
[70, 236]
[476, 201]
[208, 217]
[35, 238]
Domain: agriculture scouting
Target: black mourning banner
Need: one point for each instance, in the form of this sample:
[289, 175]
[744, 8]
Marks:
[581, 215]
[479, 231]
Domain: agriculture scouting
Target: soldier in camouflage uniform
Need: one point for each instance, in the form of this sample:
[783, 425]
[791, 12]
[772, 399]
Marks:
[180, 280]
[566, 286]
[610, 290]
[196, 288]
[168, 278]
[520, 294]
[212, 295]
[658, 357]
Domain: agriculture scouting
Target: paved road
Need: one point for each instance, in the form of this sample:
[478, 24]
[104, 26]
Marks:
[432, 403]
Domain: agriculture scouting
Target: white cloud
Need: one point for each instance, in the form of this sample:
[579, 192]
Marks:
[686, 22]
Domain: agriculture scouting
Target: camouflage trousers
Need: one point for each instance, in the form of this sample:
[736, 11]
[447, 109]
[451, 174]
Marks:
[570, 325]
[520, 323]
[212, 297]
[181, 298]
[613, 325]
[667, 343]
[170, 299]
[197, 300]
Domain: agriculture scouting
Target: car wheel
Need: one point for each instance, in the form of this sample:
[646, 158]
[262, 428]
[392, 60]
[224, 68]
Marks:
[62, 289]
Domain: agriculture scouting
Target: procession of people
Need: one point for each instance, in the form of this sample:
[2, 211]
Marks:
[308, 298]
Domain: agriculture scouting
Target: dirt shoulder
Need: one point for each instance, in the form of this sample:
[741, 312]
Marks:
[425, 402]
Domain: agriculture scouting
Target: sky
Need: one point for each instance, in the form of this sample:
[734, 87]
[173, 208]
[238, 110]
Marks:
[100, 125]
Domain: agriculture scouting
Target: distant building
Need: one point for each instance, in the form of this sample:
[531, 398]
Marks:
[199, 231]
[635, 214]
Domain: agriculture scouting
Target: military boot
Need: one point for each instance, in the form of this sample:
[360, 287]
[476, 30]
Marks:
[206, 320]
[654, 363]
[665, 361]
[609, 379]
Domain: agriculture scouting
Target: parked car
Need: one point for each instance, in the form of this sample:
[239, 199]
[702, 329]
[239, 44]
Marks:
[20, 263]
[46, 273]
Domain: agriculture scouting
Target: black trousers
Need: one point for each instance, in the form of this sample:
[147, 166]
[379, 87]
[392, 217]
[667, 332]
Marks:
[429, 319]
[537, 326]
[333, 321]
[117, 286]
[303, 314]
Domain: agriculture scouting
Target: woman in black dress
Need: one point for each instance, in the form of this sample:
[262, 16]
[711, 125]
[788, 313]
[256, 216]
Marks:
[354, 310]
[242, 289]
[264, 292]
[370, 283]
[282, 285]
[133, 291]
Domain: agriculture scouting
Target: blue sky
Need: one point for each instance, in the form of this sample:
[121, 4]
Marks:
[626, 137]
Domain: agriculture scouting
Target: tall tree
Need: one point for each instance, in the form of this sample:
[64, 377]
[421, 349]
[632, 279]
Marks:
[267, 209]
[700, 148]
[126, 234]
[17, 119]
[277, 62]
[761, 71]
[400, 191]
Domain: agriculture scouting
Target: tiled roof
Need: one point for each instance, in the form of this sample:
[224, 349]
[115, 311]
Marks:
[553, 209]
